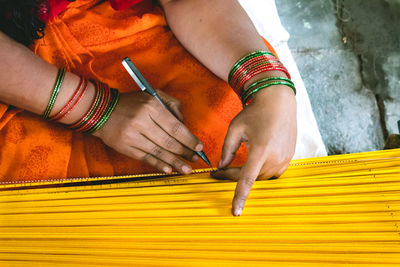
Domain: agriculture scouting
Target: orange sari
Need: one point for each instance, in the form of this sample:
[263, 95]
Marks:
[91, 39]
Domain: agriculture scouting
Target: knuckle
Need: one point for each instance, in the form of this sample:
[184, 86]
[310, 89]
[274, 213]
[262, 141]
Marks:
[249, 182]
[145, 157]
[176, 163]
[240, 198]
[232, 126]
[169, 143]
[156, 151]
[149, 105]
[176, 129]
[188, 154]
[275, 158]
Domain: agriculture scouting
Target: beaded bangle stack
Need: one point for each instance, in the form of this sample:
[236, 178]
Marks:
[100, 110]
[251, 65]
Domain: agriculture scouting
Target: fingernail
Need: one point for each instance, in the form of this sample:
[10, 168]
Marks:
[195, 157]
[237, 212]
[186, 169]
[199, 147]
[166, 169]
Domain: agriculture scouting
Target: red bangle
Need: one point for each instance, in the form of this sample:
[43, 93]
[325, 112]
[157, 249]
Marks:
[246, 77]
[248, 72]
[95, 112]
[78, 99]
[81, 89]
[251, 65]
[260, 69]
[98, 114]
[62, 110]
[251, 62]
[79, 123]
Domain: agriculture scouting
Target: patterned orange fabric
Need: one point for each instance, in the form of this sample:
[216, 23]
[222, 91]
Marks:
[91, 39]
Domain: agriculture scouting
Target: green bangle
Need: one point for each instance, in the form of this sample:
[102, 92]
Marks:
[84, 120]
[269, 79]
[249, 94]
[111, 107]
[54, 94]
[246, 58]
[250, 88]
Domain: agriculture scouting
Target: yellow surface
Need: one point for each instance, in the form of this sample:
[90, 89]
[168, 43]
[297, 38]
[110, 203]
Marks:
[332, 211]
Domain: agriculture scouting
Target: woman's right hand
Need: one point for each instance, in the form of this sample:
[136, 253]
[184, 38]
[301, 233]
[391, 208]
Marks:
[141, 128]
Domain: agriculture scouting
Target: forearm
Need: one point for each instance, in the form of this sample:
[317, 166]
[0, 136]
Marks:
[26, 81]
[216, 32]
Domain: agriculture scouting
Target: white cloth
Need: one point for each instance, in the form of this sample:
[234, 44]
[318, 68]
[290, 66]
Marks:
[264, 15]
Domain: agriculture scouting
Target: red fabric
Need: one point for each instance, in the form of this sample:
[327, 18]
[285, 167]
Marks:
[55, 7]
[122, 4]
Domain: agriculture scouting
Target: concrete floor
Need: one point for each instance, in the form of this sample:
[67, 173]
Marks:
[348, 53]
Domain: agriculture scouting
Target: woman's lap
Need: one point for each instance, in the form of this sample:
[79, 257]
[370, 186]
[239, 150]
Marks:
[91, 41]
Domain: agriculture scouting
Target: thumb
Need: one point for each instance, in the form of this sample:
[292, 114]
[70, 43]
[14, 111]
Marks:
[232, 142]
[173, 103]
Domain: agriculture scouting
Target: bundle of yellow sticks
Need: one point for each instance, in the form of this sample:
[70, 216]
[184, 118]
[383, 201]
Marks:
[340, 210]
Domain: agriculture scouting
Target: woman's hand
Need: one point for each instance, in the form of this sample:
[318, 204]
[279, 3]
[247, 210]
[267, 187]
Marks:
[141, 128]
[268, 127]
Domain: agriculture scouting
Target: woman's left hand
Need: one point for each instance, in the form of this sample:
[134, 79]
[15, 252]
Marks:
[268, 126]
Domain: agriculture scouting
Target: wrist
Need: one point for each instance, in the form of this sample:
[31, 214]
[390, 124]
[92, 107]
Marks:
[82, 107]
[267, 74]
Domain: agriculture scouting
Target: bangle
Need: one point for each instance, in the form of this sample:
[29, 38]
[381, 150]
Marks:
[251, 62]
[76, 97]
[246, 58]
[248, 62]
[268, 79]
[110, 109]
[96, 116]
[54, 94]
[247, 98]
[88, 114]
[103, 105]
[250, 65]
[255, 71]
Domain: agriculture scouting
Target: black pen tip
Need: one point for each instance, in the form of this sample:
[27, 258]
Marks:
[204, 158]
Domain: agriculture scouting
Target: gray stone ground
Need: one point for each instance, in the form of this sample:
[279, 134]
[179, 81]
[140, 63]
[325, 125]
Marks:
[348, 53]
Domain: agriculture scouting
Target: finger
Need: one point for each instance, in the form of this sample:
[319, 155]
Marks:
[248, 175]
[232, 142]
[227, 174]
[160, 153]
[149, 159]
[177, 130]
[164, 140]
[173, 103]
